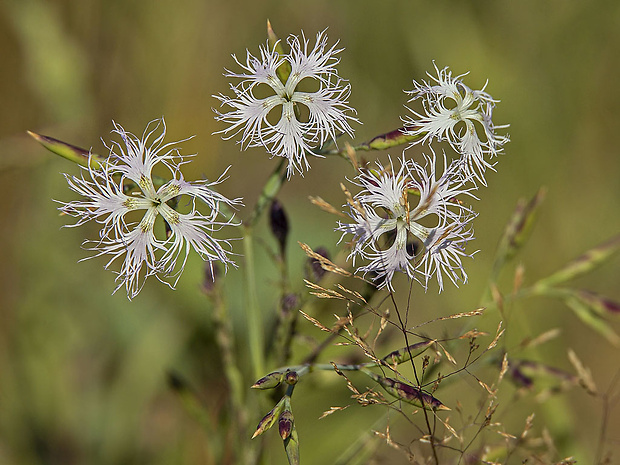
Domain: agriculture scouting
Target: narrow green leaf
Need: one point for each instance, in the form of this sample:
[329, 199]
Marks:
[590, 316]
[583, 264]
[517, 231]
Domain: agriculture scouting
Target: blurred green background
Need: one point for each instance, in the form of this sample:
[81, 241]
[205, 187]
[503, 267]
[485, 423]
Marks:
[83, 373]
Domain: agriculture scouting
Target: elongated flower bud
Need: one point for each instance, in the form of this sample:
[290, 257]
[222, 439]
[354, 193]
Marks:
[269, 419]
[285, 424]
[407, 353]
[278, 222]
[291, 377]
[407, 393]
[392, 139]
[284, 70]
[69, 151]
[270, 381]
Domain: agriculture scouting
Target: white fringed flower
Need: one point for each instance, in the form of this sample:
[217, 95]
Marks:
[126, 198]
[421, 240]
[289, 122]
[452, 111]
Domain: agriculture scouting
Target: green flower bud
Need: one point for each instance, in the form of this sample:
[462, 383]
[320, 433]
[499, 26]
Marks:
[270, 381]
[269, 419]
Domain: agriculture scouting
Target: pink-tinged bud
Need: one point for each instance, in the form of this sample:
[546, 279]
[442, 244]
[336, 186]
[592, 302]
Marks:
[525, 372]
[269, 419]
[407, 393]
[285, 424]
[599, 303]
[291, 377]
[391, 139]
[70, 152]
[270, 381]
[278, 222]
[289, 303]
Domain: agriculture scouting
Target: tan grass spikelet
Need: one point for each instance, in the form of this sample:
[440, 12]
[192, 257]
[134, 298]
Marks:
[325, 263]
[325, 206]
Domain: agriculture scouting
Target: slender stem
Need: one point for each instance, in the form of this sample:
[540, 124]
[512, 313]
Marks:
[252, 311]
[226, 343]
[270, 190]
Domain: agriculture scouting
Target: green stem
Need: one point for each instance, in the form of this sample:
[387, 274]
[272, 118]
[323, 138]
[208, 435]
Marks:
[269, 192]
[226, 343]
[254, 318]
[252, 310]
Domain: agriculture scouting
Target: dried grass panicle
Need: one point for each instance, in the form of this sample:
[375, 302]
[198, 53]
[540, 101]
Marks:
[499, 334]
[332, 410]
[399, 447]
[316, 322]
[584, 374]
[326, 264]
[326, 206]
[476, 312]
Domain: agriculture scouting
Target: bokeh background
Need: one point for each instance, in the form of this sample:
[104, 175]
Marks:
[83, 372]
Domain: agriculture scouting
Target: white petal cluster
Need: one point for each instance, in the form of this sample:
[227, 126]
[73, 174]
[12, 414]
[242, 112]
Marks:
[281, 116]
[124, 185]
[462, 116]
[410, 221]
